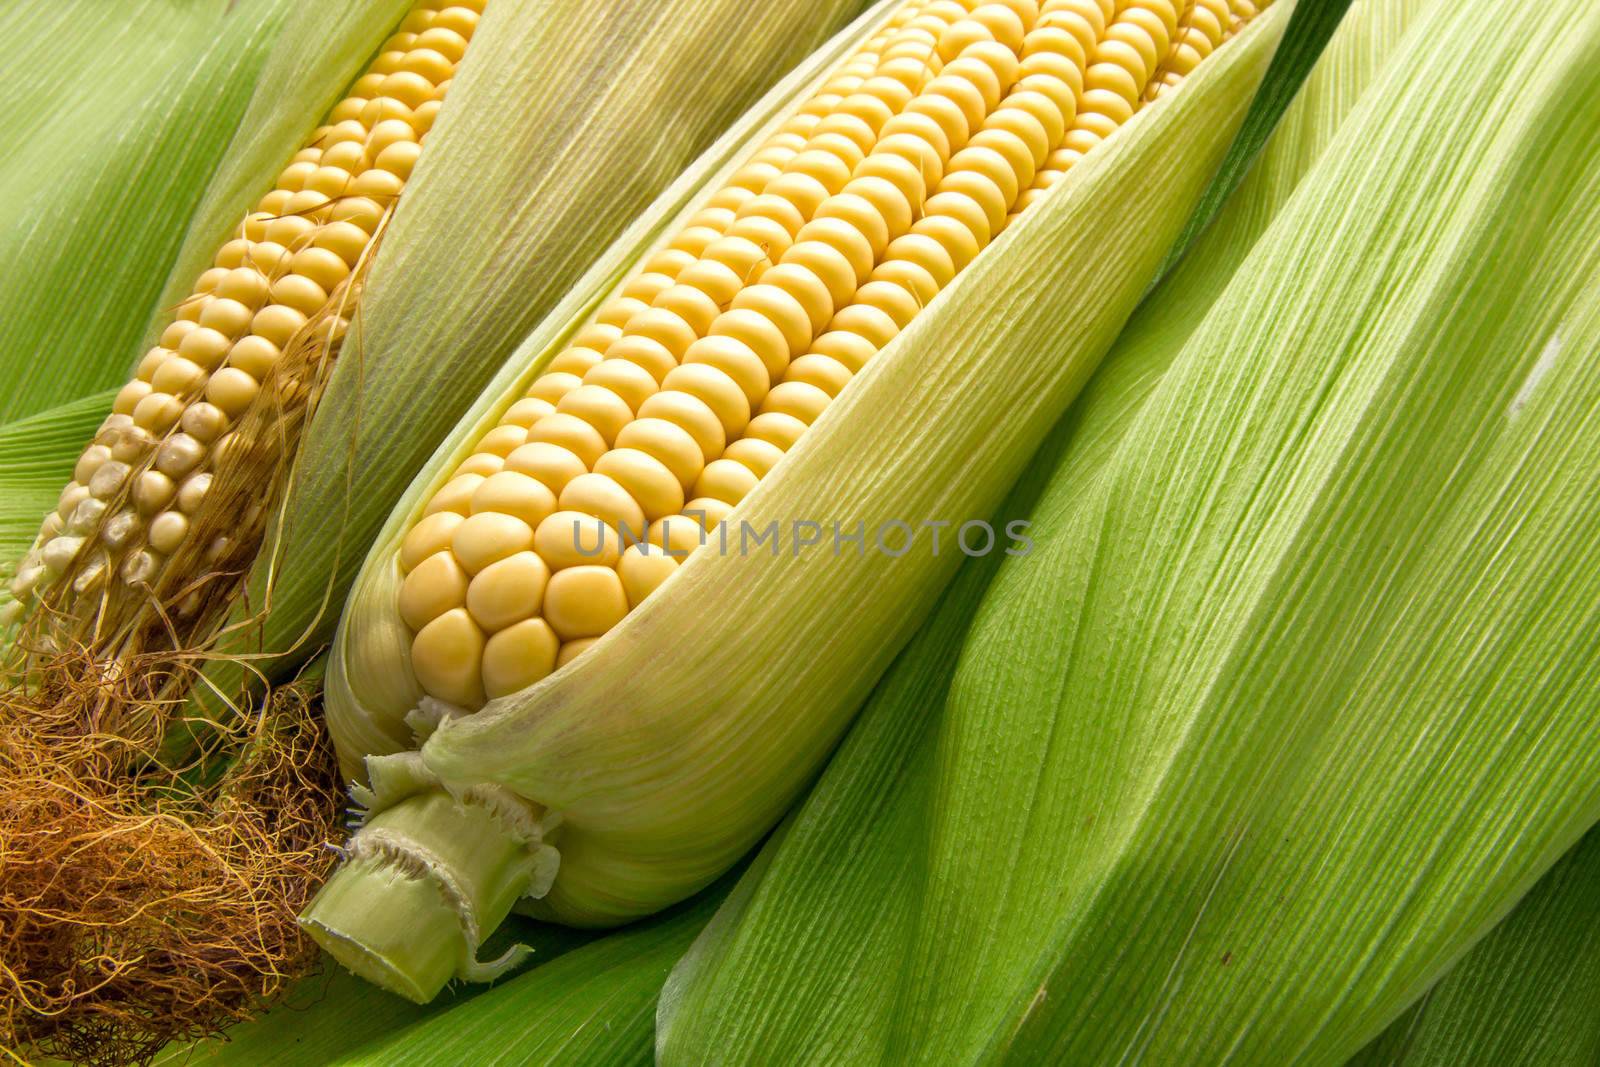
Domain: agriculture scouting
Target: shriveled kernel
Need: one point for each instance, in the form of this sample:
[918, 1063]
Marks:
[152, 491]
[435, 586]
[507, 592]
[584, 601]
[90, 461]
[73, 495]
[192, 493]
[86, 517]
[203, 421]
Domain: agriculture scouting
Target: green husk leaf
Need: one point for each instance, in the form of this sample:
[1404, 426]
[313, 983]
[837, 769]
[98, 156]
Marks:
[1529, 992]
[331, 1017]
[594, 1005]
[117, 117]
[800, 968]
[1303, 42]
[1305, 671]
[564, 122]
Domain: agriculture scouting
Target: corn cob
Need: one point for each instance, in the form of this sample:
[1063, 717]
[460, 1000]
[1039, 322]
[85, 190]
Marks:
[522, 576]
[246, 350]
[713, 361]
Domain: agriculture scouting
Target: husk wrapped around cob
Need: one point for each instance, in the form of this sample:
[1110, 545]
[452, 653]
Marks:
[664, 749]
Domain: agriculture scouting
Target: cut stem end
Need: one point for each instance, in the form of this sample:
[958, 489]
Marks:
[426, 880]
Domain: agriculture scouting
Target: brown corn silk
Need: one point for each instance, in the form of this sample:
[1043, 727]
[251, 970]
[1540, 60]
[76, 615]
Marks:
[152, 861]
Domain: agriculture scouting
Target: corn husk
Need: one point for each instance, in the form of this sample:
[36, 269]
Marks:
[1526, 993]
[797, 965]
[116, 118]
[1296, 698]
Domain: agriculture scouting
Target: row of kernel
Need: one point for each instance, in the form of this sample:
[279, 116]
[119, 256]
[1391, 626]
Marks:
[171, 425]
[713, 379]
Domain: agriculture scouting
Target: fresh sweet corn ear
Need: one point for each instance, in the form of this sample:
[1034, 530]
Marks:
[691, 384]
[566, 608]
[241, 360]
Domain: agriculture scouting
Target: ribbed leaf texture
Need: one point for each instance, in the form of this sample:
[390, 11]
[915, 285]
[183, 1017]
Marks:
[1296, 696]
[117, 117]
[1529, 992]
[763, 976]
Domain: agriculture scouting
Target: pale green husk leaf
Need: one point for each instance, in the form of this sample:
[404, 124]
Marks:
[117, 116]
